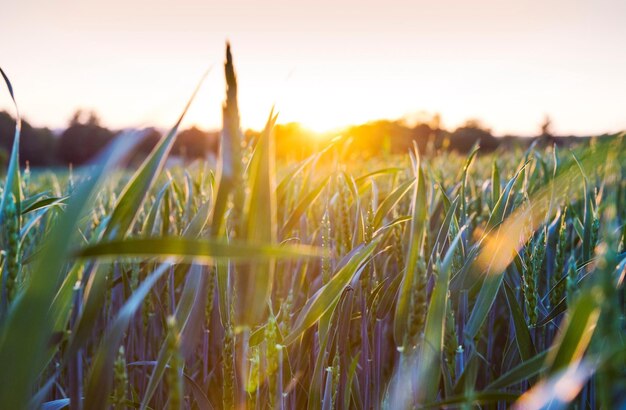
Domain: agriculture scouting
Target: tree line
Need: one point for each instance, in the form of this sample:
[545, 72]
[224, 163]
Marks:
[85, 136]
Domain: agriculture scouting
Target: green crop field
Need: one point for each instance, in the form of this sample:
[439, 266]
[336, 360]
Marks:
[425, 280]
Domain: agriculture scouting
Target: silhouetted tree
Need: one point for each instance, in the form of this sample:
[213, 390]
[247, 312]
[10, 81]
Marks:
[37, 145]
[81, 141]
[464, 137]
[194, 143]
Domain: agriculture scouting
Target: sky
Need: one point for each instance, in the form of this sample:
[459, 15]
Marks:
[322, 63]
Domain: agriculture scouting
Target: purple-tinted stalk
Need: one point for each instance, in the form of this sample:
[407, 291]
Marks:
[172, 294]
[327, 401]
[378, 334]
[279, 381]
[365, 354]
[243, 367]
[75, 367]
[205, 356]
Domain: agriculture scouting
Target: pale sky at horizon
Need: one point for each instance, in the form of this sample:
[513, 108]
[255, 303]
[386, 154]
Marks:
[324, 63]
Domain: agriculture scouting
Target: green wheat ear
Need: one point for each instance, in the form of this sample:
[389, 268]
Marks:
[345, 235]
[120, 389]
[228, 368]
[557, 284]
[230, 162]
[572, 281]
[326, 246]
[12, 265]
[417, 306]
[271, 358]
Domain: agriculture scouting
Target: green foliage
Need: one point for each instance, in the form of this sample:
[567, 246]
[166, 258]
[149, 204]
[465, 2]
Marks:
[314, 284]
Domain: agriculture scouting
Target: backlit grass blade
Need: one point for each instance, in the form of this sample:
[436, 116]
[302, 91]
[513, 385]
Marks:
[12, 185]
[30, 225]
[261, 227]
[384, 171]
[495, 183]
[416, 237]
[290, 177]
[43, 204]
[442, 235]
[351, 379]
[150, 225]
[523, 339]
[587, 231]
[56, 404]
[520, 373]
[200, 250]
[575, 334]
[230, 163]
[499, 210]
[430, 354]
[463, 179]
[385, 302]
[303, 204]
[391, 201]
[199, 221]
[556, 311]
[327, 295]
[199, 395]
[482, 306]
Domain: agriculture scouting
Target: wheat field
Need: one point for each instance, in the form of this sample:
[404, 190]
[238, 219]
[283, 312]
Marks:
[424, 280]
